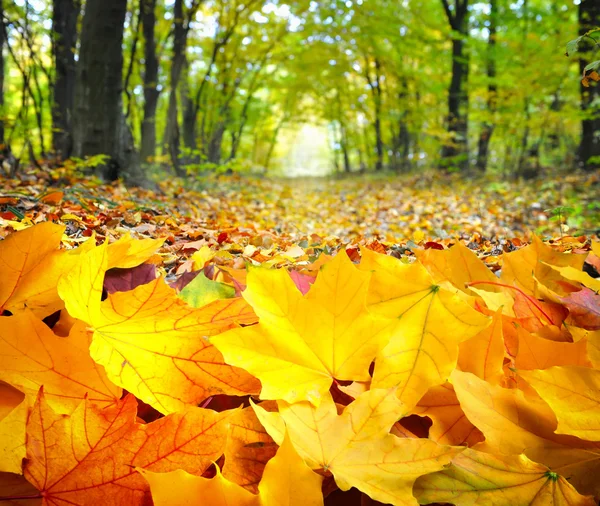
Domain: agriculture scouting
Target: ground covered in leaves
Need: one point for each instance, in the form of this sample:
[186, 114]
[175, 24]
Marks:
[253, 342]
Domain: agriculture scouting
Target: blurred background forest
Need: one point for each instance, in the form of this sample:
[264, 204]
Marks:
[300, 87]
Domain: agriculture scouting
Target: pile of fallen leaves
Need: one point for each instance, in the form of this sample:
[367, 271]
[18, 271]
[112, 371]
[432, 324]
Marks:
[333, 379]
[249, 341]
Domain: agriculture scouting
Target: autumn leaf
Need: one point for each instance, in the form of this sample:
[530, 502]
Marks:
[458, 265]
[535, 352]
[584, 308]
[248, 449]
[90, 456]
[479, 478]
[13, 415]
[152, 343]
[483, 354]
[573, 393]
[450, 424]
[302, 342]
[30, 265]
[128, 252]
[31, 356]
[573, 274]
[514, 423]
[430, 322]
[202, 291]
[356, 446]
[524, 266]
[287, 481]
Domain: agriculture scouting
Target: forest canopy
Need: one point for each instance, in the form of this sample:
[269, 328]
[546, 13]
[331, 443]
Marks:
[301, 87]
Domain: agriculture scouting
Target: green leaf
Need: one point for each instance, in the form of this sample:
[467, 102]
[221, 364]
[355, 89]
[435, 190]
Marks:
[573, 46]
[595, 65]
[202, 291]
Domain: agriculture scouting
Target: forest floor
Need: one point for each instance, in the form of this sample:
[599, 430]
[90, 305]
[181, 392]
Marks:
[245, 219]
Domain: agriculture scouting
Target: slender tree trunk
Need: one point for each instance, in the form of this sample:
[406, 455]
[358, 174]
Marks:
[273, 142]
[2, 43]
[172, 135]
[487, 129]
[65, 14]
[377, 96]
[455, 151]
[151, 67]
[589, 147]
[99, 125]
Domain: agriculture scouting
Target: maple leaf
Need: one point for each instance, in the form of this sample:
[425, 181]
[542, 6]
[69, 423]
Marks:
[303, 342]
[535, 352]
[480, 478]
[483, 354]
[151, 342]
[90, 456]
[514, 423]
[31, 355]
[430, 322]
[584, 308]
[248, 448]
[128, 252]
[524, 266]
[13, 415]
[287, 481]
[30, 264]
[356, 446]
[450, 424]
[573, 393]
[573, 274]
[458, 265]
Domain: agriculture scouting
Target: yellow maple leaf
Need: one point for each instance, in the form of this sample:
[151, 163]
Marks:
[450, 424]
[287, 481]
[514, 423]
[578, 275]
[524, 266]
[458, 265]
[480, 478]
[303, 342]
[151, 342]
[13, 415]
[32, 355]
[356, 446]
[127, 252]
[573, 393]
[430, 322]
[483, 354]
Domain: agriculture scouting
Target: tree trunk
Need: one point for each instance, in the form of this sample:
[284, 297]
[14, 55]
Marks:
[179, 42]
[589, 148]
[2, 43]
[455, 151]
[151, 67]
[378, 137]
[487, 129]
[65, 14]
[99, 126]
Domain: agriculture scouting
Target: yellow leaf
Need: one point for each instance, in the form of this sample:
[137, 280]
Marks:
[151, 342]
[450, 424]
[32, 355]
[519, 267]
[128, 252]
[481, 478]
[13, 416]
[202, 257]
[459, 265]
[483, 354]
[573, 393]
[30, 267]
[535, 352]
[356, 446]
[287, 481]
[430, 322]
[303, 342]
[578, 275]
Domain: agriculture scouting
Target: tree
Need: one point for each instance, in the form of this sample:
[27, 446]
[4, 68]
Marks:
[492, 90]
[455, 149]
[2, 42]
[151, 68]
[65, 14]
[589, 146]
[99, 126]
